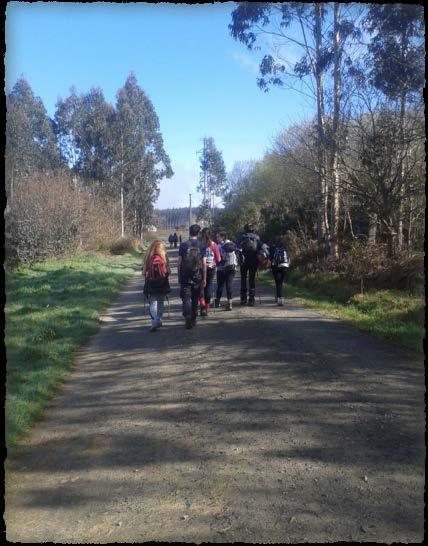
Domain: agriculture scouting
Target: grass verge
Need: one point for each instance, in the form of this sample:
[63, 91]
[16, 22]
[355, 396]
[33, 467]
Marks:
[51, 309]
[390, 315]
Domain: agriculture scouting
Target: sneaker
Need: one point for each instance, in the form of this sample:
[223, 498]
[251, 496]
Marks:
[217, 304]
[243, 301]
[229, 305]
[280, 302]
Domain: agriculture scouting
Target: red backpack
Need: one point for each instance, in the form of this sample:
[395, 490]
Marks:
[157, 274]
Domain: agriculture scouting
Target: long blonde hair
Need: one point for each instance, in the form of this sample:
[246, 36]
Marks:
[156, 248]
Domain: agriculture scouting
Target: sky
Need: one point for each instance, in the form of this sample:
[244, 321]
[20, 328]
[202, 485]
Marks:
[200, 80]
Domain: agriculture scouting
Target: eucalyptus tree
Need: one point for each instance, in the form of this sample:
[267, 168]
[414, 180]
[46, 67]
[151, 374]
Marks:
[139, 160]
[321, 32]
[396, 61]
[30, 138]
[212, 180]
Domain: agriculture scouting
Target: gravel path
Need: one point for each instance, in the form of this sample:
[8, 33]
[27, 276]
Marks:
[264, 424]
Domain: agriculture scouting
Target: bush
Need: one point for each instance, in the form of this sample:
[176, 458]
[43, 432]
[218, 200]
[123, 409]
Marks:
[123, 246]
[51, 216]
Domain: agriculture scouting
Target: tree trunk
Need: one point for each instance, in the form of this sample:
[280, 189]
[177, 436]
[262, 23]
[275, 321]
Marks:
[334, 249]
[322, 190]
[372, 229]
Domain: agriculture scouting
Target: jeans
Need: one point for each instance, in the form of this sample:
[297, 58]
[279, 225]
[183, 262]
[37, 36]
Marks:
[250, 269]
[209, 284]
[189, 293]
[156, 308]
[225, 277]
[279, 275]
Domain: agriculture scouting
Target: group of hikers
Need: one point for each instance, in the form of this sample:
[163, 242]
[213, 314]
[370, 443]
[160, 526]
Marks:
[200, 260]
[173, 239]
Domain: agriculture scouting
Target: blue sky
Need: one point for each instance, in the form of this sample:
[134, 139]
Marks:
[201, 81]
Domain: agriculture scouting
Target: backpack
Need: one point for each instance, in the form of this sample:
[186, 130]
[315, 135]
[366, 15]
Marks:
[228, 257]
[157, 275]
[263, 257]
[191, 262]
[210, 257]
[249, 245]
[280, 258]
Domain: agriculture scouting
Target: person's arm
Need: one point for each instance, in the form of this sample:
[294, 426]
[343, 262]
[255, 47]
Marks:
[204, 272]
[217, 254]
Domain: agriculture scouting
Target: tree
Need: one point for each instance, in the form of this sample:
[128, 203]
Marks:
[213, 180]
[397, 61]
[30, 138]
[321, 51]
[140, 159]
[83, 127]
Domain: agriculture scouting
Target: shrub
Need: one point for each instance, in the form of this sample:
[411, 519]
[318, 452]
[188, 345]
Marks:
[122, 246]
[50, 216]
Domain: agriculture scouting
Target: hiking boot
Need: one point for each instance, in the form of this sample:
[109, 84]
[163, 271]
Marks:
[251, 301]
[280, 302]
[229, 305]
[189, 323]
[243, 300]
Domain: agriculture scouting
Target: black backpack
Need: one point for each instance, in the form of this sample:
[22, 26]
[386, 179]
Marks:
[280, 258]
[249, 245]
[191, 262]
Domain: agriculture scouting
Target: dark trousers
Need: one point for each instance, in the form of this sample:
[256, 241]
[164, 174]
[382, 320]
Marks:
[279, 275]
[250, 270]
[209, 285]
[225, 277]
[189, 293]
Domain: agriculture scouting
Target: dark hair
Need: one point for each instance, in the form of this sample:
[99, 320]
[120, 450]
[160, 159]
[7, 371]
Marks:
[222, 234]
[248, 228]
[206, 236]
[194, 230]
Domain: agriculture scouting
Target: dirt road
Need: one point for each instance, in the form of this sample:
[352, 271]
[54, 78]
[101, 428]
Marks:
[263, 424]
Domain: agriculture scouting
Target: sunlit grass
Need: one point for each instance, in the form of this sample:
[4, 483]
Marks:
[390, 315]
[51, 309]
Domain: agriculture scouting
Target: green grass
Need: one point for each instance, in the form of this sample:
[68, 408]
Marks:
[51, 309]
[390, 315]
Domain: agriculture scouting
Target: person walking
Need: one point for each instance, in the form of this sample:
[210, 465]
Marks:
[212, 258]
[280, 263]
[250, 245]
[175, 239]
[192, 271]
[156, 272]
[170, 240]
[227, 268]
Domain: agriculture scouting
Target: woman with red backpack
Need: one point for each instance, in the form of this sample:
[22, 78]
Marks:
[156, 270]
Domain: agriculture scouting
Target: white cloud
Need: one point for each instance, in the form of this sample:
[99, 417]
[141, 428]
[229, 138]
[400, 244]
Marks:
[246, 61]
